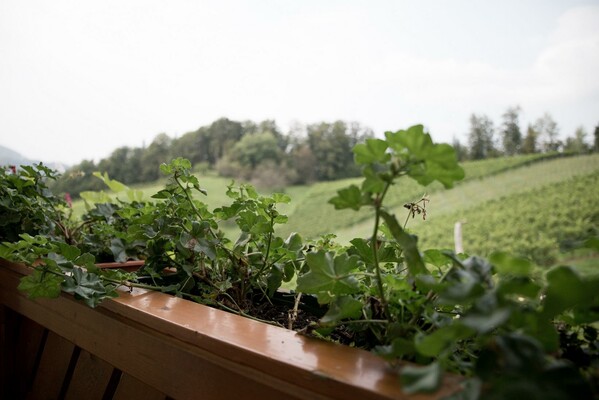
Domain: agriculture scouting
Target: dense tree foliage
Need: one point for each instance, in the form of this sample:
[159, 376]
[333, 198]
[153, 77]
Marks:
[510, 131]
[256, 152]
[480, 137]
[260, 153]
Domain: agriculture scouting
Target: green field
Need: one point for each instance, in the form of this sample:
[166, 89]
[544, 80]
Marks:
[535, 205]
[484, 181]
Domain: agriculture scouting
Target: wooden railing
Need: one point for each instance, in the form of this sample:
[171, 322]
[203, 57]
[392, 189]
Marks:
[150, 345]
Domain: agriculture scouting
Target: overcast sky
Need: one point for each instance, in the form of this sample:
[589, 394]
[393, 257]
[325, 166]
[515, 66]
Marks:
[81, 78]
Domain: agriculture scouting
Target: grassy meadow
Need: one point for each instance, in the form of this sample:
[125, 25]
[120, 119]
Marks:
[538, 206]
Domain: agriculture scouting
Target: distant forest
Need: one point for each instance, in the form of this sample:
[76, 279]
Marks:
[254, 152]
[261, 154]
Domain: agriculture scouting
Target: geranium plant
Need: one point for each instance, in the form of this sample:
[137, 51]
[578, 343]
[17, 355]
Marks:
[507, 328]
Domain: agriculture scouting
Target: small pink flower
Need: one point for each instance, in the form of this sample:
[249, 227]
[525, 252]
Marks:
[67, 198]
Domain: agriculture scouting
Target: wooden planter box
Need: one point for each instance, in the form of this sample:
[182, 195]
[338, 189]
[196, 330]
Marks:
[150, 345]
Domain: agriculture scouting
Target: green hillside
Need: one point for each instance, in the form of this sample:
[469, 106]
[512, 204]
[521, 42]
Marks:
[313, 209]
[537, 210]
[544, 201]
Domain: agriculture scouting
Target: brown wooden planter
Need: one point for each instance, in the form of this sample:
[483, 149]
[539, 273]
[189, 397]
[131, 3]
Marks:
[128, 266]
[149, 345]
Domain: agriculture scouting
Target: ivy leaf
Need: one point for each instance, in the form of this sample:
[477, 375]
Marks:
[329, 274]
[421, 379]
[86, 286]
[118, 249]
[198, 245]
[371, 151]
[40, 284]
[342, 308]
[408, 243]
[350, 197]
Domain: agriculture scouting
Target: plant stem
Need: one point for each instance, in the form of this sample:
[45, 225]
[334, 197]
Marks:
[375, 253]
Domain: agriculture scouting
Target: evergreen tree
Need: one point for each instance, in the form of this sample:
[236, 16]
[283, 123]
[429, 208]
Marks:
[529, 145]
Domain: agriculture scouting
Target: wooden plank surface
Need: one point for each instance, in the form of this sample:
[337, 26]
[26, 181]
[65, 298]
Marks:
[30, 344]
[90, 378]
[184, 349]
[130, 388]
[53, 368]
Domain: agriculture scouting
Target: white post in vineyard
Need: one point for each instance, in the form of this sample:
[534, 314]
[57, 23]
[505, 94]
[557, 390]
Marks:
[457, 237]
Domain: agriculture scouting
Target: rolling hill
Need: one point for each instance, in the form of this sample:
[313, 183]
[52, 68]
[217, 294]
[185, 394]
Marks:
[535, 206]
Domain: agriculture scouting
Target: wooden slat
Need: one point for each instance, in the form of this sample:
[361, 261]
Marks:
[53, 368]
[8, 358]
[90, 378]
[130, 388]
[30, 343]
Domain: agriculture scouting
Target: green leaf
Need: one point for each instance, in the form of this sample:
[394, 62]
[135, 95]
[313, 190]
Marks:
[436, 258]
[408, 243]
[343, 307]
[486, 322]
[118, 249]
[413, 139]
[329, 274]
[427, 161]
[68, 252]
[563, 290]
[520, 286]
[442, 339]
[274, 279]
[371, 151]
[350, 197]
[362, 247]
[415, 379]
[294, 242]
[372, 183]
[506, 264]
[112, 184]
[40, 284]
[592, 243]
[442, 165]
[281, 198]
[399, 347]
[86, 286]
[85, 260]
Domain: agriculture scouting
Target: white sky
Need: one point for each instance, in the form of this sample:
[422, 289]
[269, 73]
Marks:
[81, 78]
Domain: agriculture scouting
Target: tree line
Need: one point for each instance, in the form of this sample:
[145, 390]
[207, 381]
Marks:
[484, 140]
[256, 152]
[260, 153]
